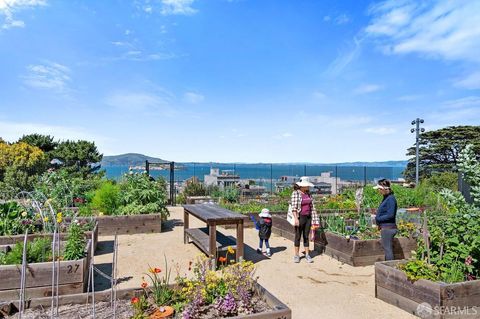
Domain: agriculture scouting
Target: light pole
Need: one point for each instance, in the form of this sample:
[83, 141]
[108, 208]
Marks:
[417, 130]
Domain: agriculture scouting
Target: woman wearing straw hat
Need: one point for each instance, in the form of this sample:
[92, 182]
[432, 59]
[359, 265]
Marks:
[305, 215]
[386, 217]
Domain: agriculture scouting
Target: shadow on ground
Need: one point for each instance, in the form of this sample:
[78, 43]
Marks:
[103, 274]
[170, 224]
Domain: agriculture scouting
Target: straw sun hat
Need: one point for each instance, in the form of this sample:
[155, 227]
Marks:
[304, 182]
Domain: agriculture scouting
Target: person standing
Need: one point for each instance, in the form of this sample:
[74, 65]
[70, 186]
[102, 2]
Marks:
[305, 215]
[386, 217]
[264, 231]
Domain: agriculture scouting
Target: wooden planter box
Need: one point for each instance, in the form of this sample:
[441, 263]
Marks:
[9, 240]
[73, 277]
[458, 300]
[280, 310]
[353, 252]
[128, 224]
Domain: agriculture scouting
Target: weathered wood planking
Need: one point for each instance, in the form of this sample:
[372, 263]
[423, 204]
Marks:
[457, 300]
[129, 224]
[280, 310]
[9, 240]
[73, 275]
[352, 252]
[39, 292]
[213, 213]
[200, 237]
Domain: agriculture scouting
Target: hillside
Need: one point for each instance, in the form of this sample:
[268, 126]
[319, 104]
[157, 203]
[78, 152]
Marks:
[129, 159]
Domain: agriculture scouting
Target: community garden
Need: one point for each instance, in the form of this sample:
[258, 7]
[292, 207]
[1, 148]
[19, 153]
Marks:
[54, 208]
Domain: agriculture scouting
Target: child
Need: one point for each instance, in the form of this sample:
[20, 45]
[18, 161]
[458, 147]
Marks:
[264, 230]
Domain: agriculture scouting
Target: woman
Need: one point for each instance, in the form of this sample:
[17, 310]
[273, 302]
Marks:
[386, 217]
[305, 215]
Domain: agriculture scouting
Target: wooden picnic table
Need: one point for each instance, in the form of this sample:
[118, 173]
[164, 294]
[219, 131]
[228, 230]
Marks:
[209, 240]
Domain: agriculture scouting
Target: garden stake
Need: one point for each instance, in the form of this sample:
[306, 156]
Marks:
[114, 275]
[93, 279]
[53, 272]
[23, 277]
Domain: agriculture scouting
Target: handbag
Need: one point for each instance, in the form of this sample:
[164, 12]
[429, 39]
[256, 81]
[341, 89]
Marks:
[290, 216]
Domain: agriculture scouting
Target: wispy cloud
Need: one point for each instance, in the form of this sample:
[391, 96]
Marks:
[446, 29]
[9, 7]
[468, 101]
[193, 98]
[12, 131]
[381, 130]
[410, 98]
[367, 88]
[342, 19]
[319, 95]
[133, 52]
[344, 59]
[166, 7]
[156, 102]
[50, 75]
[471, 81]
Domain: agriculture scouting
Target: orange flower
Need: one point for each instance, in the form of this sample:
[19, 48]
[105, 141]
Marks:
[222, 259]
[155, 270]
[135, 300]
[144, 285]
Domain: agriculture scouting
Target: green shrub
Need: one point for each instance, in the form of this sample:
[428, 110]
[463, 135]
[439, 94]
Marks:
[440, 181]
[38, 250]
[107, 198]
[75, 245]
[141, 195]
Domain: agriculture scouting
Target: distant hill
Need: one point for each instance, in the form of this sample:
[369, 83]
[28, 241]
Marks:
[129, 159]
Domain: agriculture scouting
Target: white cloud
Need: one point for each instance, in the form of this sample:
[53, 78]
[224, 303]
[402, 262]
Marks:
[138, 101]
[471, 81]
[410, 98]
[344, 59]
[319, 95]
[9, 7]
[193, 98]
[367, 88]
[342, 19]
[166, 7]
[177, 7]
[287, 134]
[380, 130]
[447, 29]
[468, 101]
[12, 131]
[327, 18]
[50, 75]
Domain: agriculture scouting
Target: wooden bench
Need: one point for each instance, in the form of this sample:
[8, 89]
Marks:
[201, 238]
[209, 240]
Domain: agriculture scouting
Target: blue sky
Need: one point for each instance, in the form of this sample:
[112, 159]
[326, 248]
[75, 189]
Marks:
[239, 80]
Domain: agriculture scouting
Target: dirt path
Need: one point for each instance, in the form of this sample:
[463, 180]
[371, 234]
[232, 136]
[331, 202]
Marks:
[324, 289]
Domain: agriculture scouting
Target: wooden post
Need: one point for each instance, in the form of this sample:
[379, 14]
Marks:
[240, 240]
[212, 245]
[185, 226]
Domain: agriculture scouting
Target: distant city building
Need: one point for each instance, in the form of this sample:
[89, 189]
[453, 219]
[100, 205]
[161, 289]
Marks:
[324, 184]
[222, 179]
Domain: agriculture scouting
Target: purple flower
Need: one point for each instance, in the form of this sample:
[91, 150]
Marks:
[226, 306]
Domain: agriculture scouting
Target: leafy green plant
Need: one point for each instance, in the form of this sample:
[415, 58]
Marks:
[161, 292]
[38, 250]
[15, 219]
[230, 195]
[141, 195]
[107, 198]
[419, 269]
[75, 245]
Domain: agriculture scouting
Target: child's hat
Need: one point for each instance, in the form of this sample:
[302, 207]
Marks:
[265, 213]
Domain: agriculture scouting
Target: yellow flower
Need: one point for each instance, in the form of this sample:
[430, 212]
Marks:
[24, 214]
[230, 250]
[100, 214]
[59, 220]
[45, 219]
[59, 214]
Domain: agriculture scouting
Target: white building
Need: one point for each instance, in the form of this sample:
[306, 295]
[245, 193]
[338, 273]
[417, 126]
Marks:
[222, 179]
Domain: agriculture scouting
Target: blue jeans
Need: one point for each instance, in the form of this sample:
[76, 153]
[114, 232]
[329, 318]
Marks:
[267, 245]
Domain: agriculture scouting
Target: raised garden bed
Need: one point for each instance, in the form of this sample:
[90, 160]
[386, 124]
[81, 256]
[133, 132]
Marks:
[8, 240]
[73, 277]
[78, 303]
[353, 252]
[128, 224]
[426, 298]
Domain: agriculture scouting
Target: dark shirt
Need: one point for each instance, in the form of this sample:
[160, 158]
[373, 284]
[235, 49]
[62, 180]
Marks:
[265, 228]
[387, 211]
